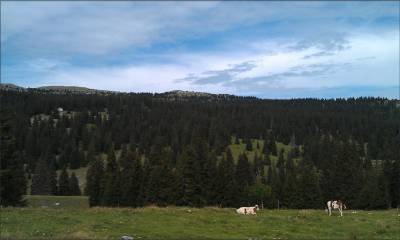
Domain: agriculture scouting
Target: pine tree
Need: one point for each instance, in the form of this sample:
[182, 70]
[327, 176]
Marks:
[226, 184]
[94, 181]
[190, 185]
[290, 188]
[210, 172]
[131, 174]
[75, 158]
[243, 177]
[374, 194]
[308, 188]
[63, 183]
[74, 188]
[266, 150]
[249, 145]
[111, 195]
[41, 180]
[276, 188]
[258, 193]
[394, 184]
[53, 180]
[12, 176]
[272, 146]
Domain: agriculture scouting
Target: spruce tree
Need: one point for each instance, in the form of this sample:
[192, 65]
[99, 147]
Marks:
[249, 145]
[258, 193]
[41, 179]
[266, 150]
[95, 181]
[75, 158]
[12, 176]
[74, 188]
[243, 176]
[290, 188]
[190, 185]
[272, 146]
[374, 194]
[308, 188]
[131, 175]
[209, 176]
[226, 184]
[394, 184]
[53, 180]
[111, 195]
[63, 183]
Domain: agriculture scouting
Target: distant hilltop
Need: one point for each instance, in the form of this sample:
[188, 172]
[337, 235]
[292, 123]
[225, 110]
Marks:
[54, 89]
[83, 90]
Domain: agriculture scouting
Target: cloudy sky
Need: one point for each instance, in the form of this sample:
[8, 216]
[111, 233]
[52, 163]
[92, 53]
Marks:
[263, 49]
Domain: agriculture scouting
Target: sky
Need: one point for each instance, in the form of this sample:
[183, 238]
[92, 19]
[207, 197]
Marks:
[298, 49]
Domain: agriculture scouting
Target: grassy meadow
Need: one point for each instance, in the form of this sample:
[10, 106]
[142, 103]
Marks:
[72, 219]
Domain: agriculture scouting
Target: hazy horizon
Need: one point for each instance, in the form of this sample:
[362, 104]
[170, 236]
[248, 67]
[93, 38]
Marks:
[263, 49]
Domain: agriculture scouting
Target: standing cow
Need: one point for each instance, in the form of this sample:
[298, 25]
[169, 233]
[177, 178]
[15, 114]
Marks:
[248, 210]
[337, 204]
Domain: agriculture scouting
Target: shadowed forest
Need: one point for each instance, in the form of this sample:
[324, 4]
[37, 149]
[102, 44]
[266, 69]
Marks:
[141, 149]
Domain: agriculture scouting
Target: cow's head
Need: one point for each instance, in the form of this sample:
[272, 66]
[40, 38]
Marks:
[256, 207]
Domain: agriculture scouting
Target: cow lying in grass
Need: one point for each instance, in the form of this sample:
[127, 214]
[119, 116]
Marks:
[248, 210]
[337, 204]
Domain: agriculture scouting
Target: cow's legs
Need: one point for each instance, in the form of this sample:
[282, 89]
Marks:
[329, 210]
[341, 212]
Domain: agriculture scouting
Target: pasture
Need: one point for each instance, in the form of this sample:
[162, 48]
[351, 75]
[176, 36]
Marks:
[79, 222]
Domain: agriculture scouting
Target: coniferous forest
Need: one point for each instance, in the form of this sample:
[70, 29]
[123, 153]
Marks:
[171, 149]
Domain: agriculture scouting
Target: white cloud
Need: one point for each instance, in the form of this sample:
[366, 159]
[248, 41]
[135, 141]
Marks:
[103, 27]
[305, 44]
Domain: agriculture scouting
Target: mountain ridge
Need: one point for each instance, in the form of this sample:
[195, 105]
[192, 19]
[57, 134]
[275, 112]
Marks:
[85, 90]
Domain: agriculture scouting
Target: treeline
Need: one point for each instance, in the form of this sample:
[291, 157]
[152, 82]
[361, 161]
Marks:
[45, 180]
[199, 177]
[178, 148]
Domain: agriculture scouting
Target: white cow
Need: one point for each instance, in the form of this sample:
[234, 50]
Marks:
[248, 210]
[337, 204]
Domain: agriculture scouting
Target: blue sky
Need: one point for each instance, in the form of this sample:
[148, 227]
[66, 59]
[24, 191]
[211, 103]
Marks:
[264, 49]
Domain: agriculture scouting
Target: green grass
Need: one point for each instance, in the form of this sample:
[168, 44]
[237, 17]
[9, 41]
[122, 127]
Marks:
[192, 223]
[240, 148]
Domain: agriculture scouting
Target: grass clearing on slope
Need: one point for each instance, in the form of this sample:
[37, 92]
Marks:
[193, 223]
[240, 148]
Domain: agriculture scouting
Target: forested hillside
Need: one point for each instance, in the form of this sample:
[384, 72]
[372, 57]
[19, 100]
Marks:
[191, 149]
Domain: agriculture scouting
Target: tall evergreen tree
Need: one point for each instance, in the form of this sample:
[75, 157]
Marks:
[74, 188]
[272, 146]
[95, 181]
[75, 158]
[226, 184]
[249, 145]
[243, 176]
[190, 185]
[308, 187]
[12, 176]
[63, 183]
[53, 180]
[131, 175]
[111, 195]
[290, 194]
[41, 180]
[374, 194]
